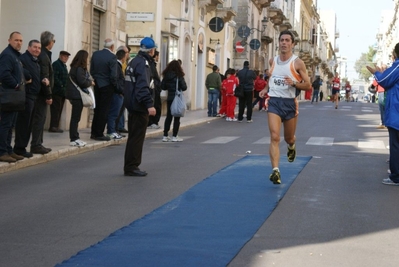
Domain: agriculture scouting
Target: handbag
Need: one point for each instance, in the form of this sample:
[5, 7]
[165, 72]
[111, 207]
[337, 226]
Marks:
[88, 99]
[12, 100]
[239, 91]
[178, 106]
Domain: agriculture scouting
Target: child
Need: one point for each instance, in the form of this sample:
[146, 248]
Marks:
[229, 84]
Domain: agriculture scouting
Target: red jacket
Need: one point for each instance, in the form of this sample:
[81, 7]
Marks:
[259, 84]
[229, 84]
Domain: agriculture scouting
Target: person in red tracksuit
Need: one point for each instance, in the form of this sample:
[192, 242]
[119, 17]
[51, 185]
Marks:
[229, 84]
[259, 84]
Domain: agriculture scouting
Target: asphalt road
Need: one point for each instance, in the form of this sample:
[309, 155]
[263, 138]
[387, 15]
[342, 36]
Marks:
[336, 213]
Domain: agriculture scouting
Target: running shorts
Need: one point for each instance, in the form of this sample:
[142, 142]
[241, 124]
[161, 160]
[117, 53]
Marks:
[286, 108]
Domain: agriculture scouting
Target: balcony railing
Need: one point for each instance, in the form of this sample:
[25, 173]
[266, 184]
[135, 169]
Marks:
[209, 4]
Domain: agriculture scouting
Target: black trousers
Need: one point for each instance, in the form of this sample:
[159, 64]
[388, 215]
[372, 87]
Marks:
[245, 102]
[77, 107]
[158, 107]
[137, 127]
[56, 110]
[38, 121]
[168, 122]
[103, 98]
[23, 126]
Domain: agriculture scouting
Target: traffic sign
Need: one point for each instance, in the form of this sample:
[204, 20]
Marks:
[254, 44]
[239, 47]
[216, 24]
[243, 31]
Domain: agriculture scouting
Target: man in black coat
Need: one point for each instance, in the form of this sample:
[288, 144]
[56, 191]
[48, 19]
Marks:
[12, 78]
[44, 98]
[103, 68]
[246, 78]
[31, 67]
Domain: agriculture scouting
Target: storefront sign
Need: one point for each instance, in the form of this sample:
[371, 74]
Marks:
[139, 16]
[134, 41]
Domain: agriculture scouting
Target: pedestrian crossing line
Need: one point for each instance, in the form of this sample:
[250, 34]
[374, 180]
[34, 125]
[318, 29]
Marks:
[367, 110]
[320, 141]
[182, 137]
[221, 140]
[368, 143]
[263, 141]
[346, 107]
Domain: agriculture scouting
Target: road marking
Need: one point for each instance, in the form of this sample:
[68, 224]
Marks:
[263, 141]
[320, 141]
[368, 143]
[221, 140]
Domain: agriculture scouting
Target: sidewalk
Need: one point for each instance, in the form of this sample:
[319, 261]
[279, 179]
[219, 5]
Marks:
[59, 142]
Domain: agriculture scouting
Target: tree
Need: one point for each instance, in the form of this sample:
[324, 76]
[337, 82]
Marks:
[364, 60]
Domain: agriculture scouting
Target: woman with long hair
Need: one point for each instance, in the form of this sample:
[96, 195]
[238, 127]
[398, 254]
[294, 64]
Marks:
[173, 78]
[81, 77]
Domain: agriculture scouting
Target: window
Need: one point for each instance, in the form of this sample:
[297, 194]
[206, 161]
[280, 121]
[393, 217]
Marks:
[173, 48]
[186, 4]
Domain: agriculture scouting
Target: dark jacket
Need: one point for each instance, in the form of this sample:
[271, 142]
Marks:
[138, 97]
[32, 72]
[247, 78]
[60, 77]
[82, 78]
[11, 72]
[103, 68]
[316, 84]
[46, 71]
[169, 83]
[121, 80]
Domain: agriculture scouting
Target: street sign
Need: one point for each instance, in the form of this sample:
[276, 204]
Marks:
[243, 31]
[239, 47]
[216, 24]
[254, 44]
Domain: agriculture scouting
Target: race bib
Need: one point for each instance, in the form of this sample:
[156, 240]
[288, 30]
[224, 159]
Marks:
[336, 85]
[278, 83]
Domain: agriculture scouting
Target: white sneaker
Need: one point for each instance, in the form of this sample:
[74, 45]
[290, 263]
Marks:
[176, 139]
[154, 126]
[165, 139]
[233, 119]
[115, 136]
[78, 143]
[228, 119]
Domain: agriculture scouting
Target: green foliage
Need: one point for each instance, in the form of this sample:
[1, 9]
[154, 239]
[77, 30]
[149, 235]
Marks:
[366, 59]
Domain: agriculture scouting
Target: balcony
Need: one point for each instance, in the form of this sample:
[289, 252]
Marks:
[305, 46]
[210, 5]
[276, 15]
[262, 3]
[266, 39]
[286, 25]
[226, 13]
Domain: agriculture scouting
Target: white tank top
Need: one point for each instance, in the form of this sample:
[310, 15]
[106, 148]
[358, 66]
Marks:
[279, 70]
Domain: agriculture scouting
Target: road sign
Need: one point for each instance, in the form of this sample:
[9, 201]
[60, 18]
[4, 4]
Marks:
[243, 31]
[254, 44]
[239, 47]
[216, 24]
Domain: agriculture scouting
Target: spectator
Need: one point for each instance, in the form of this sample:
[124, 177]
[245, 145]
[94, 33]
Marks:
[138, 101]
[117, 98]
[12, 77]
[156, 92]
[229, 84]
[213, 83]
[103, 68]
[316, 89]
[44, 98]
[81, 77]
[60, 82]
[246, 78]
[173, 79]
[259, 85]
[23, 126]
[120, 120]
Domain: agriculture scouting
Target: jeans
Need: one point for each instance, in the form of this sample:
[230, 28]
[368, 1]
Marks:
[113, 113]
[315, 96]
[77, 107]
[103, 97]
[394, 154]
[213, 99]
[382, 107]
[6, 124]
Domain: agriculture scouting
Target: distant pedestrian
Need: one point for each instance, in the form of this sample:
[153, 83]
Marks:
[246, 78]
[336, 86]
[229, 84]
[213, 83]
[259, 85]
[173, 79]
[60, 81]
[156, 91]
[321, 96]
[316, 89]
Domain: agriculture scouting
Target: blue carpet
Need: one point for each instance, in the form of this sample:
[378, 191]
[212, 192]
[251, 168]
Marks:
[205, 226]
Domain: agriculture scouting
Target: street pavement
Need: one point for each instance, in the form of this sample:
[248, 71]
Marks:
[59, 142]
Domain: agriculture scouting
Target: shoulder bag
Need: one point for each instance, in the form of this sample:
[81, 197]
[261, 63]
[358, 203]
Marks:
[11, 99]
[178, 107]
[87, 95]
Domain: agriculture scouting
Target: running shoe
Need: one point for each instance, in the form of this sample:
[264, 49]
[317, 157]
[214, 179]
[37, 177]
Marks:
[388, 181]
[291, 154]
[275, 177]
[176, 139]
[78, 143]
[165, 139]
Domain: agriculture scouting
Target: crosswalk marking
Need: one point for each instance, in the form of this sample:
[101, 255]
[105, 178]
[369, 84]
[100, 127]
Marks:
[221, 140]
[320, 141]
[366, 143]
[262, 141]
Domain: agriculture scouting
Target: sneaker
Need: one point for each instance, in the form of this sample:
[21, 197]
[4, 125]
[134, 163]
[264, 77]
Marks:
[291, 154]
[249, 121]
[115, 136]
[154, 126]
[176, 139]
[78, 143]
[233, 119]
[239, 121]
[388, 181]
[165, 139]
[275, 177]
[228, 119]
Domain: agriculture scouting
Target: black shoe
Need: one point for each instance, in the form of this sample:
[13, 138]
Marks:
[55, 130]
[23, 153]
[100, 138]
[136, 173]
[123, 130]
[39, 150]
